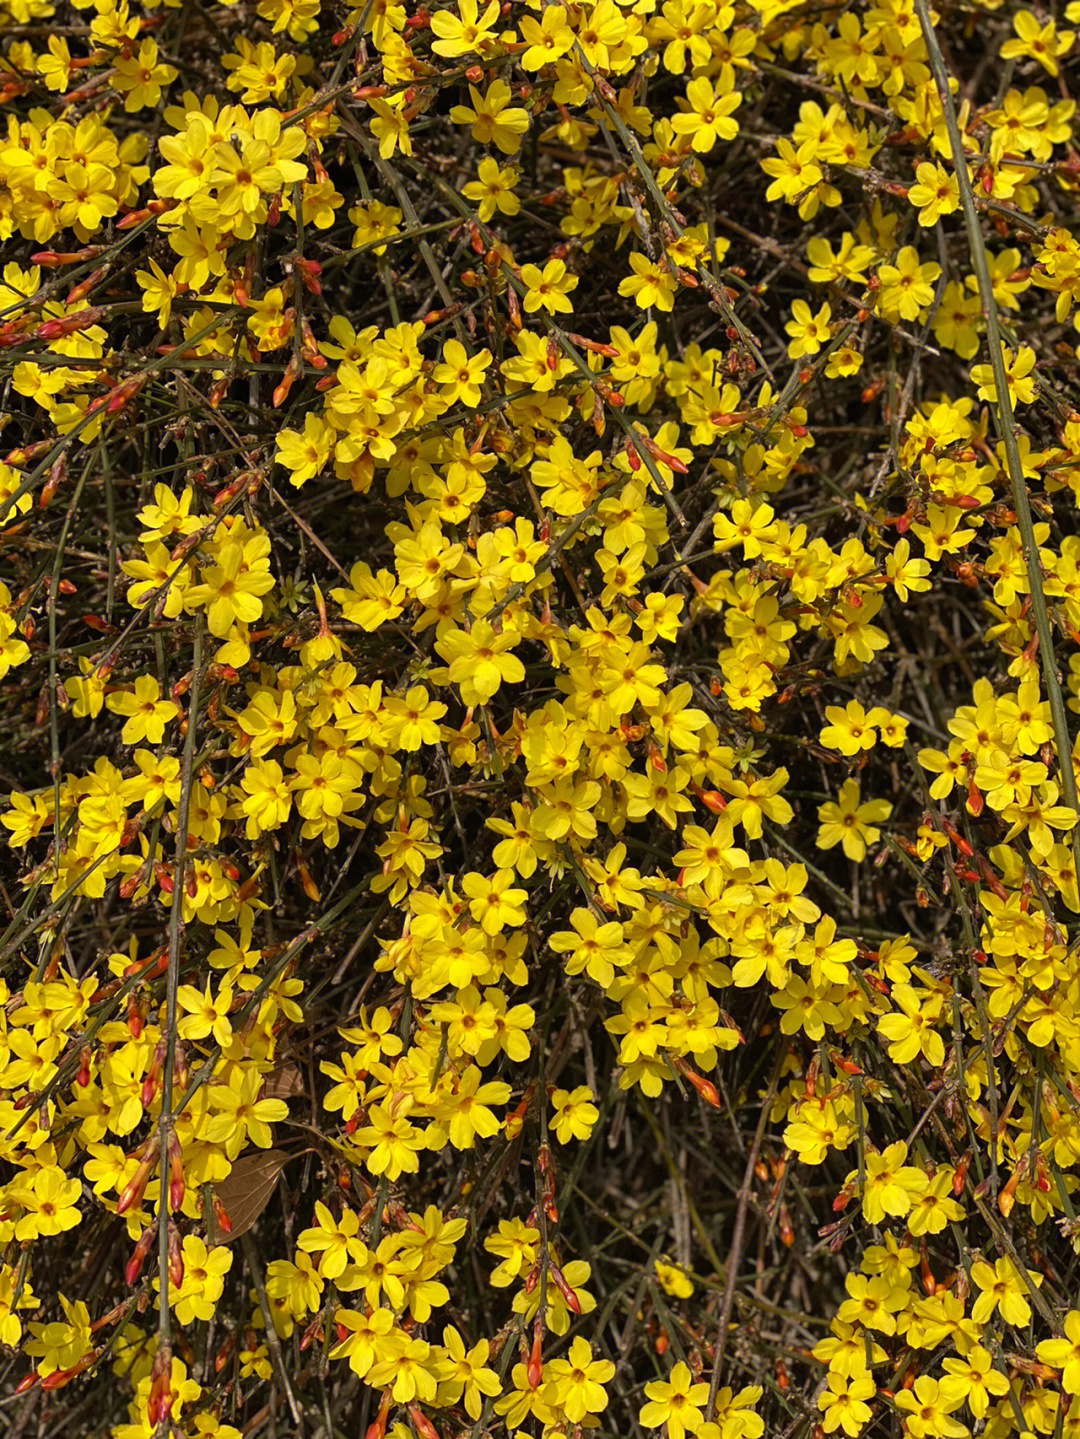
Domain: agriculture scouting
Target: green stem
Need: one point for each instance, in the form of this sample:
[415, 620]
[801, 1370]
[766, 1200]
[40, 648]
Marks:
[1003, 412]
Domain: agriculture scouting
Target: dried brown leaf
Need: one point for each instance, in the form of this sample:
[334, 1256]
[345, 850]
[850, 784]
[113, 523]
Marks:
[285, 1082]
[246, 1191]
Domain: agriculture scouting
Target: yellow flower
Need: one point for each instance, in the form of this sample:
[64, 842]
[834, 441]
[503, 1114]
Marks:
[576, 1384]
[575, 1113]
[548, 289]
[677, 1402]
[147, 712]
[1037, 42]
[843, 1403]
[1005, 1289]
[850, 823]
[673, 1280]
[936, 193]
[890, 1184]
[1064, 1353]
[928, 1407]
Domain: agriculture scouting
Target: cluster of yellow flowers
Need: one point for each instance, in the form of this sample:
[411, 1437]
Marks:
[497, 671]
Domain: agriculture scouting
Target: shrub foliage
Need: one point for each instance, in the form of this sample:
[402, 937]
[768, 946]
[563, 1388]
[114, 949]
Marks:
[540, 639]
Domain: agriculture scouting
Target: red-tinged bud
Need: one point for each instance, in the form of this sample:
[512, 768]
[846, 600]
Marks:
[309, 272]
[514, 305]
[57, 475]
[221, 1217]
[136, 1016]
[27, 1382]
[27, 454]
[160, 1401]
[377, 1429]
[712, 799]
[420, 21]
[131, 884]
[80, 291]
[370, 92]
[436, 317]
[598, 347]
[176, 1258]
[69, 325]
[842, 1200]
[534, 1370]
[957, 838]
[926, 1274]
[224, 1354]
[846, 1066]
[422, 1424]
[522, 1107]
[229, 493]
[124, 393]
[82, 1079]
[672, 461]
[990, 879]
[153, 1076]
[662, 1343]
[787, 1232]
[975, 801]
[704, 1087]
[134, 1266]
[309, 346]
[133, 218]
[152, 962]
[311, 889]
[249, 887]
[532, 1279]
[54, 259]
[960, 1177]
[132, 1195]
[1007, 1197]
[176, 1175]
[292, 371]
[13, 333]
